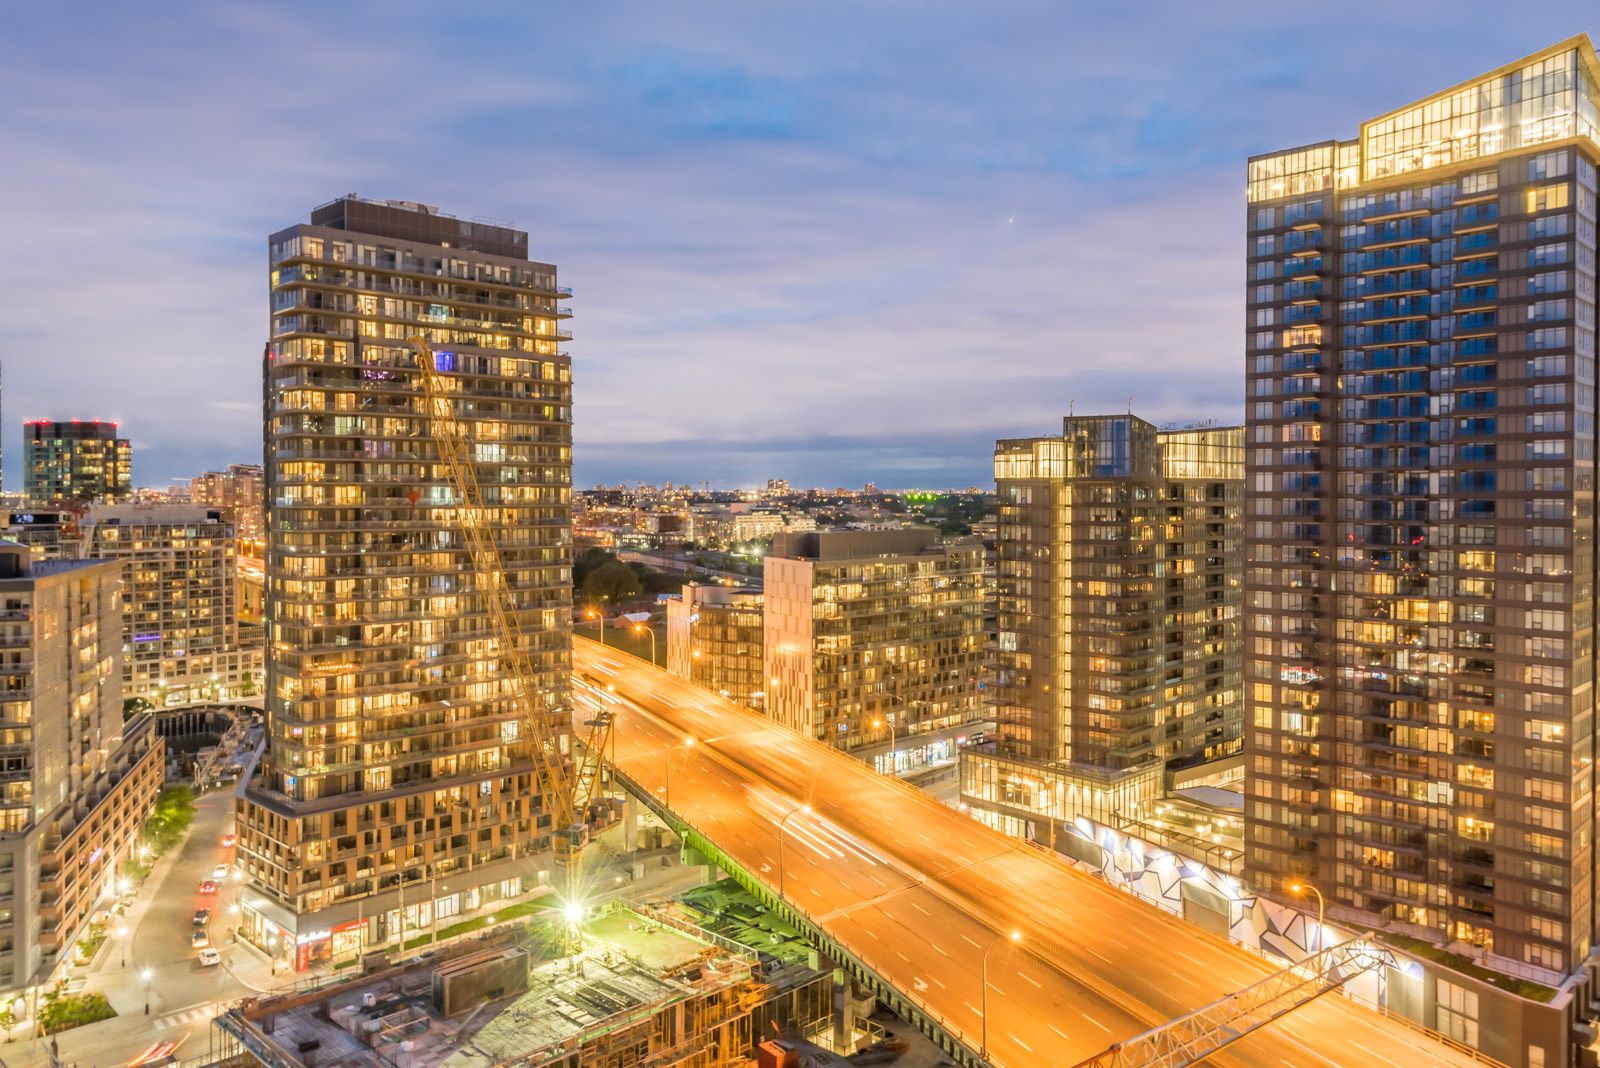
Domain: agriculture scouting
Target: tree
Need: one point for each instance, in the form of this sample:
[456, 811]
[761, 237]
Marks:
[588, 562]
[614, 582]
[132, 706]
[8, 1019]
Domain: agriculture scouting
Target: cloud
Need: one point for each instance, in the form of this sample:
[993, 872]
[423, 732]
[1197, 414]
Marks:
[786, 223]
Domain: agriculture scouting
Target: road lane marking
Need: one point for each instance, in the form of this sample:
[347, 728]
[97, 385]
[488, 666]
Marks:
[919, 908]
[1021, 1043]
[974, 944]
[1359, 1046]
[1031, 979]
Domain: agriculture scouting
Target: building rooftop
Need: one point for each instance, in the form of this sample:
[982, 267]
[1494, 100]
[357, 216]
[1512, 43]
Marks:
[408, 220]
[153, 514]
[633, 964]
[1543, 98]
[853, 544]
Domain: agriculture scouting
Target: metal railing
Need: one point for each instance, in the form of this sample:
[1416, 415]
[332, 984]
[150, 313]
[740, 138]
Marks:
[1192, 1038]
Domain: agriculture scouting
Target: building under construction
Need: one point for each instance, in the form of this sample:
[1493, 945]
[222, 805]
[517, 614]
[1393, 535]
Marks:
[646, 989]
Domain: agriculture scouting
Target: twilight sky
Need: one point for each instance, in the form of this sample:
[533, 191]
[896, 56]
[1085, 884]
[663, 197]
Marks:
[824, 241]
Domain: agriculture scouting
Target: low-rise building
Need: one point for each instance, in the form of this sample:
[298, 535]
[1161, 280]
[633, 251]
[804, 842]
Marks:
[874, 640]
[714, 641]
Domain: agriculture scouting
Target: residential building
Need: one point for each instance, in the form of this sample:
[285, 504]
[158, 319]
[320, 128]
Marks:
[182, 641]
[714, 641]
[1118, 659]
[75, 781]
[51, 535]
[399, 754]
[76, 461]
[240, 490]
[1420, 369]
[874, 639]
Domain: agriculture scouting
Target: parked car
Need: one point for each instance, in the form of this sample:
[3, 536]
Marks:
[220, 871]
[200, 939]
[208, 887]
[208, 957]
[201, 917]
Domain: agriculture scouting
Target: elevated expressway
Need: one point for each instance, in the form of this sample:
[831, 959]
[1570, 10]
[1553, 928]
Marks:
[910, 895]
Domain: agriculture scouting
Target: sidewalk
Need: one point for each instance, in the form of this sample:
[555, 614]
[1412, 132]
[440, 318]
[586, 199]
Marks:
[105, 974]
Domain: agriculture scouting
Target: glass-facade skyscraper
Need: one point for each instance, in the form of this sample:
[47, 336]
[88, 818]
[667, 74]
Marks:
[1420, 372]
[76, 461]
[397, 785]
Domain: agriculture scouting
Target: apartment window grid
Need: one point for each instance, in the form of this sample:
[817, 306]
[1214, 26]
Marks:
[897, 641]
[385, 693]
[1119, 602]
[1420, 493]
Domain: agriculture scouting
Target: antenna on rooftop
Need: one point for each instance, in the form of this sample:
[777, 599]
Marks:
[1130, 405]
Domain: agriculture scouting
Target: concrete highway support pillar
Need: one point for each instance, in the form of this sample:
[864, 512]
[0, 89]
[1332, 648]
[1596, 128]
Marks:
[852, 1002]
[630, 822]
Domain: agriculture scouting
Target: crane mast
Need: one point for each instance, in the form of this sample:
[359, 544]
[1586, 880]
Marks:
[566, 787]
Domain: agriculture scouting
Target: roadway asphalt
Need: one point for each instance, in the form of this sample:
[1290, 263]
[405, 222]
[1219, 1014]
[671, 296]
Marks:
[918, 891]
[183, 994]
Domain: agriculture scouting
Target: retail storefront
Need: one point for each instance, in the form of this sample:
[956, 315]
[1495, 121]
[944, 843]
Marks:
[924, 750]
[274, 930]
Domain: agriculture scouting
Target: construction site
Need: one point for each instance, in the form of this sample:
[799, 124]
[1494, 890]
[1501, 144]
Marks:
[646, 988]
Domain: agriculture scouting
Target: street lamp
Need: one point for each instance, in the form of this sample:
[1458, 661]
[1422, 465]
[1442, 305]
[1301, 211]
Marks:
[147, 975]
[122, 938]
[687, 744]
[803, 808]
[640, 628]
[878, 724]
[592, 614]
[1321, 908]
[1015, 936]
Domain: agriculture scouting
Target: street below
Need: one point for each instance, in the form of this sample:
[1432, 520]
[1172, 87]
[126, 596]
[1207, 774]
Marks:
[183, 995]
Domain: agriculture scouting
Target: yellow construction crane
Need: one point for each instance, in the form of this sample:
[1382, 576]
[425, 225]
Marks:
[568, 788]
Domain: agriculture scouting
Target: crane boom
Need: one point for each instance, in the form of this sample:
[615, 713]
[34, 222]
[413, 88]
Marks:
[539, 729]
